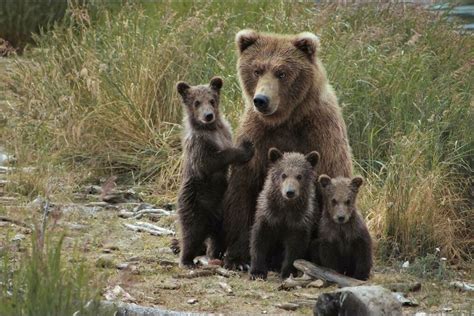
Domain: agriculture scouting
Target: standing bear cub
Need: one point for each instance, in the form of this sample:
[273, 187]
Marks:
[344, 242]
[284, 212]
[208, 151]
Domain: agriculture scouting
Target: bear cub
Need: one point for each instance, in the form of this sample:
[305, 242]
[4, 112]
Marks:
[208, 152]
[284, 212]
[344, 240]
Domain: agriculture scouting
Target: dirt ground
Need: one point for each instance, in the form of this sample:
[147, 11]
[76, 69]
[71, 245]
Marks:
[144, 266]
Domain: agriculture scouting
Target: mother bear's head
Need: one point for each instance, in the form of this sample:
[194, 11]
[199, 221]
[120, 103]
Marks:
[278, 72]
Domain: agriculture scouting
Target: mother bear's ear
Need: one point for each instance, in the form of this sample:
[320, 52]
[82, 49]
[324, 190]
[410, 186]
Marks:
[245, 38]
[308, 43]
[274, 155]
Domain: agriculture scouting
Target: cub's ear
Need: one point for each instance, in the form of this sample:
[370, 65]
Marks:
[308, 43]
[324, 180]
[182, 88]
[356, 182]
[312, 158]
[216, 83]
[274, 155]
[245, 38]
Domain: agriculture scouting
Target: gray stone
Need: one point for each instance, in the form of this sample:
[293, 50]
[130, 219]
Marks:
[358, 300]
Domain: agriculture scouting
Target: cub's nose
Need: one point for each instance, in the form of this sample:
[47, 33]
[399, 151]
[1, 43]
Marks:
[261, 102]
[209, 117]
[290, 194]
[341, 218]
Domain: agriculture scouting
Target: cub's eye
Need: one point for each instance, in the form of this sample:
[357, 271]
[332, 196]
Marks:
[213, 103]
[334, 202]
[283, 176]
[348, 202]
[299, 177]
[197, 103]
[280, 74]
[257, 73]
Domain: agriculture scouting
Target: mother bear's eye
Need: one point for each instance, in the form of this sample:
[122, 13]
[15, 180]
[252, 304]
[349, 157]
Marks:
[283, 176]
[197, 103]
[257, 73]
[280, 74]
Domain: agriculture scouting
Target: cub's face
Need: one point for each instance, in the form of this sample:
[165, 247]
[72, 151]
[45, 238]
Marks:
[292, 173]
[340, 196]
[201, 102]
[275, 71]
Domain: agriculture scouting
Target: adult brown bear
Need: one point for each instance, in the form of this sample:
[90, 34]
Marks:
[289, 105]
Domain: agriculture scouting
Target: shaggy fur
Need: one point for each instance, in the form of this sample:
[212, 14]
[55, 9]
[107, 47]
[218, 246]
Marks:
[208, 151]
[344, 242]
[302, 115]
[284, 213]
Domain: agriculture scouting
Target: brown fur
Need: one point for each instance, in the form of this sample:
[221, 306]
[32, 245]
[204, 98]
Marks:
[284, 214]
[344, 242]
[208, 151]
[304, 116]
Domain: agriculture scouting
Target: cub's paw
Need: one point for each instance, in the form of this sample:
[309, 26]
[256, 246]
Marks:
[257, 275]
[235, 265]
[187, 265]
[248, 150]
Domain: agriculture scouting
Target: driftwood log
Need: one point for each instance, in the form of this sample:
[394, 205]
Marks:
[325, 274]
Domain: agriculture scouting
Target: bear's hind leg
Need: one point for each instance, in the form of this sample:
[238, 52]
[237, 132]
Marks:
[193, 239]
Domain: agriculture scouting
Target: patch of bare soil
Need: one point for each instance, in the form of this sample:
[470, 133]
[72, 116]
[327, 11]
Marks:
[139, 267]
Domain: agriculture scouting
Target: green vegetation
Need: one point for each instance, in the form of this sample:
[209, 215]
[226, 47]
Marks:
[19, 19]
[98, 95]
[42, 283]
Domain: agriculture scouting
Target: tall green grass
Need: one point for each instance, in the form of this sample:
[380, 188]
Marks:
[101, 96]
[42, 283]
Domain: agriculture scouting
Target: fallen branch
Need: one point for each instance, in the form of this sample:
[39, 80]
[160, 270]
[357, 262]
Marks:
[325, 274]
[16, 222]
[291, 282]
[194, 274]
[463, 286]
[149, 228]
[155, 211]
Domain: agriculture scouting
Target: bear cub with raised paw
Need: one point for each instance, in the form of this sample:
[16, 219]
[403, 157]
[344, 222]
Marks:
[344, 242]
[208, 152]
[284, 212]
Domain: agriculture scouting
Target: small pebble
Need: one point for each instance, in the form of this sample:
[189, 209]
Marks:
[122, 266]
[192, 301]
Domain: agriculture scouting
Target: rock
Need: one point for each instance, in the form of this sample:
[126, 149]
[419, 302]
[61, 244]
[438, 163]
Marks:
[406, 264]
[75, 226]
[92, 189]
[105, 261]
[18, 237]
[111, 247]
[122, 266]
[404, 300]
[118, 293]
[359, 300]
[192, 301]
[125, 214]
[169, 286]
[226, 287]
[288, 306]
[316, 284]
